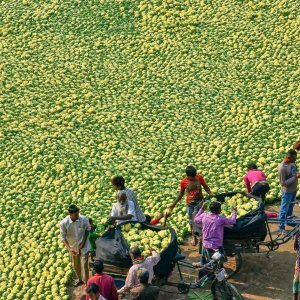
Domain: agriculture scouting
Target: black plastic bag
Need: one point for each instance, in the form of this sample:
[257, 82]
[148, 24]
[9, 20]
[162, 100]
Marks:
[113, 249]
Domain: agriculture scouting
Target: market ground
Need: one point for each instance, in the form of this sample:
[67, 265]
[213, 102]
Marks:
[261, 277]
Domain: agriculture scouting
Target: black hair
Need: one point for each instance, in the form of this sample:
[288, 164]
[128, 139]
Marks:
[148, 219]
[215, 207]
[136, 252]
[92, 288]
[144, 277]
[118, 181]
[191, 171]
[252, 166]
[98, 266]
[73, 208]
[291, 153]
[90, 220]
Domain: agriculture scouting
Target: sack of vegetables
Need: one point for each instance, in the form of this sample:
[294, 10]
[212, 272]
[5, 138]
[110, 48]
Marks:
[119, 240]
[250, 215]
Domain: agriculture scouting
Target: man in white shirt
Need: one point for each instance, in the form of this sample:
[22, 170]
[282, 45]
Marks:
[123, 210]
[118, 183]
[74, 231]
[93, 291]
[139, 262]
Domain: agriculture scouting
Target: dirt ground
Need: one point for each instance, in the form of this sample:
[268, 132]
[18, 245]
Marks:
[261, 277]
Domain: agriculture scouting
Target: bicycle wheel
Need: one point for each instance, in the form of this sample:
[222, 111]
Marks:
[233, 264]
[223, 290]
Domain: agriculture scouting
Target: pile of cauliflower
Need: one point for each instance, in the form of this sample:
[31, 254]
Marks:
[242, 203]
[146, 239]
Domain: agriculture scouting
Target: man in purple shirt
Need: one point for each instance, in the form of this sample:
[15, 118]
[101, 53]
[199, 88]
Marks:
[213, 227]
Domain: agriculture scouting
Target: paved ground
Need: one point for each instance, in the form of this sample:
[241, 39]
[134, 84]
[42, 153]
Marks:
[261, 278]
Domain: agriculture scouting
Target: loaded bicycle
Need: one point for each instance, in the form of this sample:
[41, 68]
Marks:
[114, 250]
[250, 233]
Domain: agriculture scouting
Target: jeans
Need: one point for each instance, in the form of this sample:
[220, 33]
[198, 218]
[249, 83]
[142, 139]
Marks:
[286, 208]
[190, 210]
[260, 189]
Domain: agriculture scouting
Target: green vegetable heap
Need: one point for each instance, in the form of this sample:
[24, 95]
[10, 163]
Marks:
[146, 239]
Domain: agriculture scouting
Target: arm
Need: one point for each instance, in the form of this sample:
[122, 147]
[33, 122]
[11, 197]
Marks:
[155, 258]
[63, 232]
[247, 184]
[207, 189]
[179, 197]
[113, 291]
[205, 186]
[87, 228]
[129, 283]
[126, 217]
[282, 178]
[199, 216]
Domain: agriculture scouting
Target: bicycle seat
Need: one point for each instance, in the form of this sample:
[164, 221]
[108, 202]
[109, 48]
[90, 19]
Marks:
[178, 257]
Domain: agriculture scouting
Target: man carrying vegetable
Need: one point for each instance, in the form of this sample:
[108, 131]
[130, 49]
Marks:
[123, 210]
[118, 183]
[74, 231]
[212, 228]
[288, 178]
[192, 184]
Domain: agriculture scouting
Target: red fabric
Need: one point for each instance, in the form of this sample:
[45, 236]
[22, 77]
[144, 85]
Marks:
[106, 285]
[271, 214]
[193, 187]
[155, 221]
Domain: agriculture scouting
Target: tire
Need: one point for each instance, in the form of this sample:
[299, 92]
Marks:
[233, 264]
[223, 290]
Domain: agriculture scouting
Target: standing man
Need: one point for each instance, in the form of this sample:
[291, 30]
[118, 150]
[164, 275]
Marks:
[212, 228]
[192, 184]
[288, 178]
[74, 231]
[118, 183]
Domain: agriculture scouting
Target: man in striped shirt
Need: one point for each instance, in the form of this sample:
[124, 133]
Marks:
[118, 183]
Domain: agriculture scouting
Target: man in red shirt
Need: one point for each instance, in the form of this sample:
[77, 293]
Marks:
[192, 185]
[105, 282]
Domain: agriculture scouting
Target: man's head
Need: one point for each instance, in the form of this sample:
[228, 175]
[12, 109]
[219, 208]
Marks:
[297, 146]
[190, 172]
[122, 197]
[98, 266]
[118, 183]
[291, 156]
[93, 291]
[215, 207]
[73, 212]
[143, 275]
[252, 166]
[135, 252]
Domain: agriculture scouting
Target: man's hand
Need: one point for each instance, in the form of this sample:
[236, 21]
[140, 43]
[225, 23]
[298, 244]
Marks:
[298, 175]
[234, 208]
[73, 252]
[81, 245]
